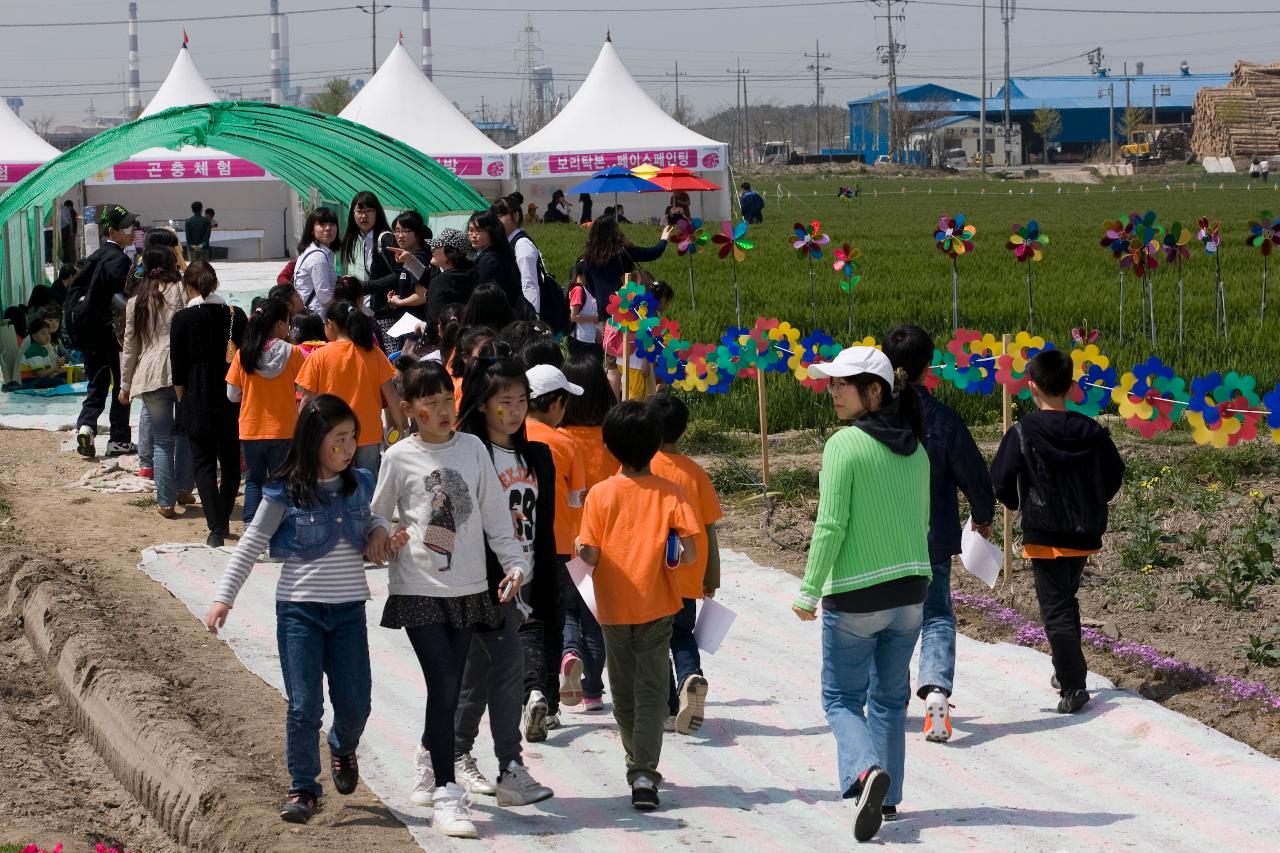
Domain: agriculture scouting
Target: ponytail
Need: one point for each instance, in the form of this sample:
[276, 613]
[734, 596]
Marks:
[258, 332]
[353, 323]
[906, 403]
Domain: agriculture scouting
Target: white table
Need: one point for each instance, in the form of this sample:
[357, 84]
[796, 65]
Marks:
[220, 235]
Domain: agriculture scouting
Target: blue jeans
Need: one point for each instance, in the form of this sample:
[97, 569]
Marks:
[684, 651]
[938, 634]
[866, 684]
[368, 457]
[582, 636]
[317, 640]
[260, 459]
[146, 442]
[172, 455]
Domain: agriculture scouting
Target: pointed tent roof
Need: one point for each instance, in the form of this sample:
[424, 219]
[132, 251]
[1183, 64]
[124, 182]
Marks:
[184, 86]
[610, 112]
[19, 143]
[401, 102]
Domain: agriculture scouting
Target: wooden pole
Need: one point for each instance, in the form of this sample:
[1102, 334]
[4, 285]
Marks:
[626, 364]
[1006, 418]
[764, 428]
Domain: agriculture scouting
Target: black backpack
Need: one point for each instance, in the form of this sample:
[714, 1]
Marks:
[79, 301]
[553, 303]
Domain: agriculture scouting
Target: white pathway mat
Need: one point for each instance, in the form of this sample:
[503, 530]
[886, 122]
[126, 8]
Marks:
[760, 775]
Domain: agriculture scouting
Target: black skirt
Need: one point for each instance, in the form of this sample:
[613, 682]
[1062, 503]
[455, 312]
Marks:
[464, 611]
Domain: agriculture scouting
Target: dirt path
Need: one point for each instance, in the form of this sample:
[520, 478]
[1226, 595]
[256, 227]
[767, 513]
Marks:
[55, 788]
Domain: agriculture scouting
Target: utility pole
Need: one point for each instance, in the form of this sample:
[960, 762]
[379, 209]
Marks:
[1110, 91]
[817, 68]
[888, 54]
[746, 121]
[982, 98]
[678, 112]
[1156, 90]
[1008, 8]
[740, 102]
[373, 10]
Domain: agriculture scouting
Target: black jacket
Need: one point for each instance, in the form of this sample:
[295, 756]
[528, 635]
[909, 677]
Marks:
[490, 266]
[1060, 469]
[448, 287]
[198, 356]
[106, 293]
[543, 592]
[384, 273]
[955, 463]
[606, 280]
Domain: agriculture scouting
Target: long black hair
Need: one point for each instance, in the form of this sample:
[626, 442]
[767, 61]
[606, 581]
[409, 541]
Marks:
[903, 399]
[473, 337]
[597, 398]
[352, 233]
[447, 329]
[485, 377]
[604, 241]
[425, 379]
[306, 326]
[411, 220]
[353, 323]
[301, 468]
[319, 216]
[159, 267]
[488, 306]
[263, 319]
[488, 222]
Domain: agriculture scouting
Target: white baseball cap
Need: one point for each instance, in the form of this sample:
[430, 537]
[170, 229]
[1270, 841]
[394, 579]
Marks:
[545, 378]
[852, 361]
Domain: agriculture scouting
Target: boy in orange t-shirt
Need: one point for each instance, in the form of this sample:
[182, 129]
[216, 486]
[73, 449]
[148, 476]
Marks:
[626, 524]
[688, 694]
[543, 635]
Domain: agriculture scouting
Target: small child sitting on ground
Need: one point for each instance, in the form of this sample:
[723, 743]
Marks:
[41, 367]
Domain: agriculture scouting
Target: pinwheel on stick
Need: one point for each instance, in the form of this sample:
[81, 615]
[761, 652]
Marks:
[1175, 252]
[689, 237]
[848, 264]
[1211, 240]
[1263, 235]
[732, 240]
[1027, 244]
[1143, 255]
[808, 243]
[954, 237]
[1115, 239]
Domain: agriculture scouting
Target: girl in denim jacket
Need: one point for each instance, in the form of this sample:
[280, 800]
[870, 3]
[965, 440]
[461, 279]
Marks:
[315, 515]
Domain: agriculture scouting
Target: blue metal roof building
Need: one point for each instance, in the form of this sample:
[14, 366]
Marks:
[869, 117]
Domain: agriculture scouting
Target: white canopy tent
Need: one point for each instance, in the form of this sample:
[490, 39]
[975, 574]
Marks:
[22, 151]
[252, 207]
[612, 121]
[402, 103]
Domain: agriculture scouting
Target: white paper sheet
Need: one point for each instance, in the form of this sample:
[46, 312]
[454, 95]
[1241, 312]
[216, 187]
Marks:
[980, 558]
[580, 572]
[713, 625]
[407, 324]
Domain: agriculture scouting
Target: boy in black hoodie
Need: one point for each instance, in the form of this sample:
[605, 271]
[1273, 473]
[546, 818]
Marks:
[1061, 469]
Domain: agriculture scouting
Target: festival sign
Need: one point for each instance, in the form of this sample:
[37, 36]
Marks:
[185, 169]
[694, 158]
[11, 173]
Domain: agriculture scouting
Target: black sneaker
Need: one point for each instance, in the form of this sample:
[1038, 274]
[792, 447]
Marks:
[346, 773]
[869, 814]
[121, 448]
[889, 813]
[298, 808]
[215, 540]
[644, 794]
[84, 444]
[1072, 701]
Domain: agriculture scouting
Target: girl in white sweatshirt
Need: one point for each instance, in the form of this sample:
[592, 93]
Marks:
[443, 487]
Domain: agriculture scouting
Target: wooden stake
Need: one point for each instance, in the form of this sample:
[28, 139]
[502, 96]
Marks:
[626, 364]
[764, 428]
[1006, 406]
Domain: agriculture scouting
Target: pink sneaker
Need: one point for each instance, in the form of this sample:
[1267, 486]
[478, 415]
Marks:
[570, 679]
[147, 473]
[592, 704]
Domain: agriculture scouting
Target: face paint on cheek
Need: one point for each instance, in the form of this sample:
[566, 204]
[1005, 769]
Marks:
[502, 413]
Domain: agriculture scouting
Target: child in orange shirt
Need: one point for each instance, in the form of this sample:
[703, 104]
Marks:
[688, 694]
[627, 523]
[542, 635]
[582, 665]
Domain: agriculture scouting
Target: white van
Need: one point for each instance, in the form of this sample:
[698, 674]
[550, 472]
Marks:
[956, 158]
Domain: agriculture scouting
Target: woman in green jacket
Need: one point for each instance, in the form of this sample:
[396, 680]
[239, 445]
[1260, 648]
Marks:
[869, 566]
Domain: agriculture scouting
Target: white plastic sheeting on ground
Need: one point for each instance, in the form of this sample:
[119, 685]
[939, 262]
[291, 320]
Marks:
[1126, 773]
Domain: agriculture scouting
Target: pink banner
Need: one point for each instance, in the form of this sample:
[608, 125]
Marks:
[576, 163]
[475, 167]
[169, 170]
[11, 173]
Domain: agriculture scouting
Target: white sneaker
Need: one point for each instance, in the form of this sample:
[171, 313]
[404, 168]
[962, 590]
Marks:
[553, 722]
[470, 777]
[533, 721]
[424, 778]
[517, 788]
[937, 717]
[669, 724]
[693, 699]
[453, 812]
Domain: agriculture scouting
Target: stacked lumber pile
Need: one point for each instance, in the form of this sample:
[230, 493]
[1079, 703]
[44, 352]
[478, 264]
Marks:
[1243, 119]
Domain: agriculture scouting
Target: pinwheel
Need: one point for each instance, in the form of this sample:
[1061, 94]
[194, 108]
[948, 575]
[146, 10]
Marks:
[1027, 244]
[732, 240]
[848, 264]
[1223, 410]
[1115, 239]
[808, 244]
[1212, 241]
[1263, 234]
[954, 237]
[1175, 252]
[1143, 256]
[690, 237]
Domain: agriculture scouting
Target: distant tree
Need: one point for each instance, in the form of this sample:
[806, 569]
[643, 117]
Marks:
[42, 124]
[1133, 119]
[333, 98]
[1047, 123]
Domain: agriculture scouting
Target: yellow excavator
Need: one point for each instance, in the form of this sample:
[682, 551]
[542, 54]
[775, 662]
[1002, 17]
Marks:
[1171, 142]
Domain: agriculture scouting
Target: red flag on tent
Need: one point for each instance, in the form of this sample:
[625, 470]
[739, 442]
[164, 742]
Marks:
[184, 37]
[402, 36]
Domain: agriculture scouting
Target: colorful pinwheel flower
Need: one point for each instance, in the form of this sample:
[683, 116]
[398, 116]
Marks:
[1026, 242]
[690, 237]
[1175, 243]
[1263, 233]
[732, 240]
[1116, 236]
[848, 264]
[954, 236]
[1142, 256]
[1208, 235]
[809, 241]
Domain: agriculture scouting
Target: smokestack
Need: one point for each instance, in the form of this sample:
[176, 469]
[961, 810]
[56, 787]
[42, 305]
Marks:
[277, 92]
[426, 38]
[133, 101]
[1138, 66]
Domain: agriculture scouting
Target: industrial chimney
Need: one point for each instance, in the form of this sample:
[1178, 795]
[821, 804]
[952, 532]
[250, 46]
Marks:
[133, 100]
[277, 92]
[1185, 69]
[1138, 66]
[426, 38]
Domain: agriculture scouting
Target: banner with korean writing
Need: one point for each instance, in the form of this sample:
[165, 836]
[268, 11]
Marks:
[11, 173]
[199, 169]
[494, 166]
[707, 158]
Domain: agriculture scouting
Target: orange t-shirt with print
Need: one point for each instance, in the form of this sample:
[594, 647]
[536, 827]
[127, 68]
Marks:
[628, 519]
[571, 480]
[268, 407]
[599, 462]
[696, 485]
[353, 374]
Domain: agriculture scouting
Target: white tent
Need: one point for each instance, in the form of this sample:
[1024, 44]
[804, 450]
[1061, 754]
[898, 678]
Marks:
[22, 151]
[159, 184]
[402, 103]
[612, 121]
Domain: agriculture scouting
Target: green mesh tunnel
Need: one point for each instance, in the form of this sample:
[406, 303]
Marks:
[316, 155]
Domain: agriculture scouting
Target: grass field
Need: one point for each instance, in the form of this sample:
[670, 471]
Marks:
[905, 278]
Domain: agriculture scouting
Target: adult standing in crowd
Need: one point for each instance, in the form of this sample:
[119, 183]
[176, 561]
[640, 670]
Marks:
[528, 258]
[314, 274]
[197, 232]
[147, 373]
[495, 260]
[752, 205]
[205, 337]
[584, 199]
[67, 222]
[367, 246]
[869, 566]
[609, 255]
[90, 320]
[456, 279]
